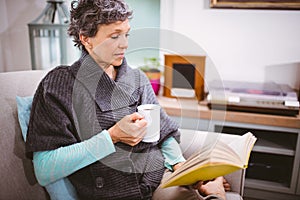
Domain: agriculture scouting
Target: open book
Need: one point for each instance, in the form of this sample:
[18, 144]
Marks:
[213, 160]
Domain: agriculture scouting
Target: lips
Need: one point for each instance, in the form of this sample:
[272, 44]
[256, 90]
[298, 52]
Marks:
[120, 55]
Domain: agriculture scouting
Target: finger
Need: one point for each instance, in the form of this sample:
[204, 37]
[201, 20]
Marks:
[219, 179]
[197, 185]
[136, 116]
[141, 123]
[142, 134]
[227, 187]
[134, 141]
[202, 189]
[138, 129]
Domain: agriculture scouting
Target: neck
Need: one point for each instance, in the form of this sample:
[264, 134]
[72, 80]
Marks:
[108, 69]
[111, 72]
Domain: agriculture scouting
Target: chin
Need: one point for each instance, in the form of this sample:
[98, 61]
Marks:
[117, 62]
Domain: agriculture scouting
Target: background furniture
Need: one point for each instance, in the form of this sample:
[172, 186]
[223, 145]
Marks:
[17, 176]
[184, 72]
[273, 171]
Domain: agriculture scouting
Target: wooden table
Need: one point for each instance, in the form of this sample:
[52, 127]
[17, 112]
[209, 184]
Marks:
[191, 108]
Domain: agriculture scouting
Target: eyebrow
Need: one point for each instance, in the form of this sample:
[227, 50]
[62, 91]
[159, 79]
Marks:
[120, 30]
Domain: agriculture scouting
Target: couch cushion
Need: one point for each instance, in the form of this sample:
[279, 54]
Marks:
[62, 188]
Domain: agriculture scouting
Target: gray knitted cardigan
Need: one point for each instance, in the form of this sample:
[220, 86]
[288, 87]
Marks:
[73, 103]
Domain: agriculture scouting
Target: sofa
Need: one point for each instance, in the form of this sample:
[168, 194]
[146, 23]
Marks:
[17, 176]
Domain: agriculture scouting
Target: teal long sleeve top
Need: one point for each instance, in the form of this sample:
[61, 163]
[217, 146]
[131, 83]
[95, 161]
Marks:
[53, 165]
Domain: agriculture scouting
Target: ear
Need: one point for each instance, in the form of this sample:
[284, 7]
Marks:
[85, 40]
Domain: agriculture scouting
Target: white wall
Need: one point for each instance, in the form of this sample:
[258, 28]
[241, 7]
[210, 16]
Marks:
[14, 38]
[146, 14]
[247, 45]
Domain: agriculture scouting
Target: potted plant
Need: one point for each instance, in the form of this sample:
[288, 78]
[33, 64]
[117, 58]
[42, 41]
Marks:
[152, 71]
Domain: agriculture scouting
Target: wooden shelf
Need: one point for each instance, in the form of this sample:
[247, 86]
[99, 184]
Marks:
[260, 147]
[267, 185]
[182, 107]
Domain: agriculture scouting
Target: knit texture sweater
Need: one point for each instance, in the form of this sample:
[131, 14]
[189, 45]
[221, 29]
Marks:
[73, 103]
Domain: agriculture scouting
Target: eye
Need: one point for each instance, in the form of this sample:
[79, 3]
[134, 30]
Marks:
[127, 34]
[115, 37]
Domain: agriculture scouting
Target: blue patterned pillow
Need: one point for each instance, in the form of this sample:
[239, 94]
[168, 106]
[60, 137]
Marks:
[61, 189]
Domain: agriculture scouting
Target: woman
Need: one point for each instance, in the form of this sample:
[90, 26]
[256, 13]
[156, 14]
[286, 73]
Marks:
[84, 124]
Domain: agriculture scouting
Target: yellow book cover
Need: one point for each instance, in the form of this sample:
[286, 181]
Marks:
[213, 161]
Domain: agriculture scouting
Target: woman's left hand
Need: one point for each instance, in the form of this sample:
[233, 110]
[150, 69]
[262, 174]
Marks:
[177, 165]
[213, 187]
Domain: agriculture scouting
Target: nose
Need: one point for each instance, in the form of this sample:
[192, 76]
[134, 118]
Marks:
[123, 42]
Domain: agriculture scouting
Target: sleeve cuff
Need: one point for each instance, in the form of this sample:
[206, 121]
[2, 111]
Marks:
[170, 165]
[172, 153]
[101, 146]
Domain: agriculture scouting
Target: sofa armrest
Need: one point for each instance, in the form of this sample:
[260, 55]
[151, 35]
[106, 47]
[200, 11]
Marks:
[192, 140]
[17, 175]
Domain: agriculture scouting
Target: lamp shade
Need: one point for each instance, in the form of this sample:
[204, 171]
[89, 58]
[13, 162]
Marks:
[49, 43]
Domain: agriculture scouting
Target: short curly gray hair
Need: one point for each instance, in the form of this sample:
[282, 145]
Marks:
[86, 15]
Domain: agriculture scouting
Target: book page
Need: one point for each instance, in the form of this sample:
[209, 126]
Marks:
[219, 154]
[214, 158]
[204, 151]
[243, 146]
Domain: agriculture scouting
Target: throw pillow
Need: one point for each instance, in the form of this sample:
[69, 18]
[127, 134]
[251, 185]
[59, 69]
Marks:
[61, 189]
[24, 107]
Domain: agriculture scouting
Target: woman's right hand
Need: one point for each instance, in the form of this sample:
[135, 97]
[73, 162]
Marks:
[129, 130]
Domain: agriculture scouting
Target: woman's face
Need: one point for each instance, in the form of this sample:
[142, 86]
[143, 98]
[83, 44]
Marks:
[109, 44]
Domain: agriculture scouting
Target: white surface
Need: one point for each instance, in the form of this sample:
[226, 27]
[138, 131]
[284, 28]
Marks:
[180, 92]
[243, 44]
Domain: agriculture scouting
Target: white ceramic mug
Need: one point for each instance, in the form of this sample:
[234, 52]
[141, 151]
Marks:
[151, 112]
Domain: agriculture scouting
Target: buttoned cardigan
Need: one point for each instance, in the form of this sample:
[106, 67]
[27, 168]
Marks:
[73, 103]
